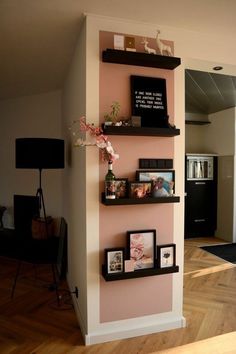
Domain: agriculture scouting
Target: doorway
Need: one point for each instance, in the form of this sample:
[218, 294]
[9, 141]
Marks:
[210, 100]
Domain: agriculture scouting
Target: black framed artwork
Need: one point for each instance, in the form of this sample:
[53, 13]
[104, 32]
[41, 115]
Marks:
[141, 248]
[163, 182]
[121, 187]
[140, 189]
[114, 260]
[166, 255]
[149, 100]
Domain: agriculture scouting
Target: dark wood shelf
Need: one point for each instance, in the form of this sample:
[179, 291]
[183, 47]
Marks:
[140, 59]
[140, 131]
[132, 201]
[197, 122]
[138, 273]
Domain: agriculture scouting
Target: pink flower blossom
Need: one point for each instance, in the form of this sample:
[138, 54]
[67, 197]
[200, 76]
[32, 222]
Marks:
[98, 139]
[136, 247]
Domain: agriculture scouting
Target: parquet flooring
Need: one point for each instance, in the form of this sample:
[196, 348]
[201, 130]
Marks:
[32, 323]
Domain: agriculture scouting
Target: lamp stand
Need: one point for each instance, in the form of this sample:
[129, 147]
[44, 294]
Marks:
[54, 285]
[41, 201]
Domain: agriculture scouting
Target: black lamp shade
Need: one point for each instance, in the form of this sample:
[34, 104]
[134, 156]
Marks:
[39, 153]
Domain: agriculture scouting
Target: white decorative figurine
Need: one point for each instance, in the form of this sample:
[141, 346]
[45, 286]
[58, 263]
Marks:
[163, 48]
[148, 49]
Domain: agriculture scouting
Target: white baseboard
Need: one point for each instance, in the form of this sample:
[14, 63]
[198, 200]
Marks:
[106, 335]
[129, 328]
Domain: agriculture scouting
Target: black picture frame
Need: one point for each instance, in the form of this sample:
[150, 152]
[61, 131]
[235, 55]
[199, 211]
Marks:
[166, 255]
[114, 260]
[167, 177]
[140, 189]
[141, 248]
[121, 188]
[149, 100]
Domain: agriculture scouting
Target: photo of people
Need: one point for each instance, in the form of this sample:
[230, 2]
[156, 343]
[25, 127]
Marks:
[162, 182]
[121, 188]
[160, 188]
[115, 261]
[140, 189]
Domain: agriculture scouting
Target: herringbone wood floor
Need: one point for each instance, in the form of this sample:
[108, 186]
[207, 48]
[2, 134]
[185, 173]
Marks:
[32, 323]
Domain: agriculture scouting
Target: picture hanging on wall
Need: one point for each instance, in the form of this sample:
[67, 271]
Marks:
[141, 247]
[149, 100]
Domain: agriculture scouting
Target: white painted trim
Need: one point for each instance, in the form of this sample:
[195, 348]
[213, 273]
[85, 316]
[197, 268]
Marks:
[122, 332]
[130, 328]
[178, 227]
[79, 316]
[92, 179]
[234, 182]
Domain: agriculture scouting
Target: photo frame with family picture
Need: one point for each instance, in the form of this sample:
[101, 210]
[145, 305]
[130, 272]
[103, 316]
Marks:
[121, 187]
[114, 260]
[163, 182]
[166, 255]
[141, 248]
[140, 189]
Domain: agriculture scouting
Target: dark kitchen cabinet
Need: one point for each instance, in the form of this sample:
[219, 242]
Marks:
[201, 202]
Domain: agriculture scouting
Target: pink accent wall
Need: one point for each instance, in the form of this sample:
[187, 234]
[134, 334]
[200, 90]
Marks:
[143, 296]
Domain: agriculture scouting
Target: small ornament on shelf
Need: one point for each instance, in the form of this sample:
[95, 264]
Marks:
[147, 48]
[136, 121]
[163, 48]
[110, 183]
[111, 118]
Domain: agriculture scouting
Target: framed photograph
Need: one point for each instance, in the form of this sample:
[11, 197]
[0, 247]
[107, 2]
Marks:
[163, 182]
[141, 247]
[114, 260]
[121, 187]
[140, 189]
[166, 255]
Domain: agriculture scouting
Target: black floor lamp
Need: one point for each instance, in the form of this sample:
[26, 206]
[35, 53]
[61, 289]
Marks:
[39, 153]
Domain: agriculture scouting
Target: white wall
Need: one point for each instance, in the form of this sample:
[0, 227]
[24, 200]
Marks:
[29, 116]
[225, 210]
[194, 138]
[73, 107]
[220, 138]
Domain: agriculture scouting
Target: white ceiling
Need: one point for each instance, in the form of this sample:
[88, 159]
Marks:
[37, 37]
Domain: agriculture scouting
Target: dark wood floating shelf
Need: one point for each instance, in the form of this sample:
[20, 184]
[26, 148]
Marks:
[197, 122]
[130, 201]
[140, 59]
[140, 131]
[138, 273]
